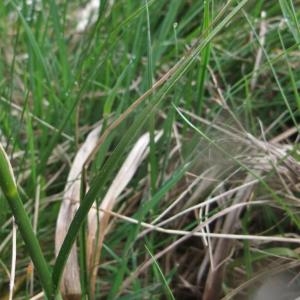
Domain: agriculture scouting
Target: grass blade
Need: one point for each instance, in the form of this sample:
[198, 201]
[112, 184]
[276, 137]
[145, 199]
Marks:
[9, 188]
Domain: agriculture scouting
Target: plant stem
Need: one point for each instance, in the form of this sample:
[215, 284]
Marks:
[9, 188]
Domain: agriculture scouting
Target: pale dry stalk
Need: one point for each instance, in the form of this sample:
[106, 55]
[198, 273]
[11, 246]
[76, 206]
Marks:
[98, 221]
[70, 283]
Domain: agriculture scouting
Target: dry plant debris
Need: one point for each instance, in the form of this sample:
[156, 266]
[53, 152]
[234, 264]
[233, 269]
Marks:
[98, 222]
[216, 198]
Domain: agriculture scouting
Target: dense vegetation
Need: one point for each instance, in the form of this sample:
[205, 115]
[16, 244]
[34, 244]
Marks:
[193, 161]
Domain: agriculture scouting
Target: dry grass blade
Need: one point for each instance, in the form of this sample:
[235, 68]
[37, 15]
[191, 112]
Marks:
[70, 285]
[223, 246]
[98, 221]
[266, 163]
[13, 261]
[258, 59]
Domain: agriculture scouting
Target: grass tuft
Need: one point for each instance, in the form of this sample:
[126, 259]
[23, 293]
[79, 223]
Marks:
[163, 137]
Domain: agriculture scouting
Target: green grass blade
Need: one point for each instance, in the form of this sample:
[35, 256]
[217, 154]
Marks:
[9, 188]
[204, 60]
[291, 18]
[169, 294]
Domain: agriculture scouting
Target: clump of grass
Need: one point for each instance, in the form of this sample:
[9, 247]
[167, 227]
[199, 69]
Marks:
[217, 193]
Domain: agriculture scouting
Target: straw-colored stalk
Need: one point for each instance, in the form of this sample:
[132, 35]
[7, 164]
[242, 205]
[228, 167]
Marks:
[98, 221]
[70, 283]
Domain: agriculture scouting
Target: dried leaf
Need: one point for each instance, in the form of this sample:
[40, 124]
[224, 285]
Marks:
[70, 284]
[100, 220]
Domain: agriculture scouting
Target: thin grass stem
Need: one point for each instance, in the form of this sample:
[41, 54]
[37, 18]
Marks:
[9, 188]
